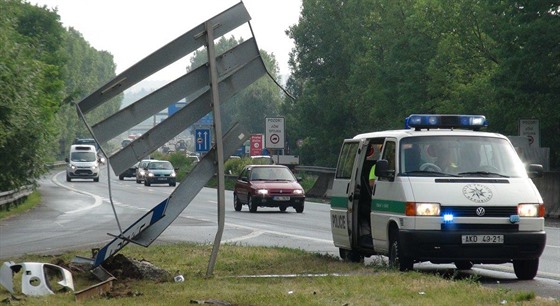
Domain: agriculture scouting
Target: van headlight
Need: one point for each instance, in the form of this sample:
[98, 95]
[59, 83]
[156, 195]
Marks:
[530, 210]
[422, 209]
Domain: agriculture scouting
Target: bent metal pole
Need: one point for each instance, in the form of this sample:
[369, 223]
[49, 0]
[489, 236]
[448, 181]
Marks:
[219, 145]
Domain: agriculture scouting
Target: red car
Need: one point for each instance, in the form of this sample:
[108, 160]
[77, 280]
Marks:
[268, 186]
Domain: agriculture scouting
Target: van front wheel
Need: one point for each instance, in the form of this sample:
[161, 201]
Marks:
[396, 259]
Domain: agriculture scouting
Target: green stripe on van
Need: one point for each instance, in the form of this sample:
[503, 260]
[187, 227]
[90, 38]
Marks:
[376, 205]
[339, 202]
[388, 206]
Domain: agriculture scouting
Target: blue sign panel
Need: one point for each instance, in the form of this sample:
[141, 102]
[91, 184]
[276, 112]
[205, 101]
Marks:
[208, 119]
[173, 108]
[203, 140]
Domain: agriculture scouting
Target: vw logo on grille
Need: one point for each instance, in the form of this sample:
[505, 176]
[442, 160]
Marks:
[480, 211]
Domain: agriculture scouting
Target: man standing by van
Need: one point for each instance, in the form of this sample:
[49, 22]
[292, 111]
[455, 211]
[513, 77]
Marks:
[374, 153]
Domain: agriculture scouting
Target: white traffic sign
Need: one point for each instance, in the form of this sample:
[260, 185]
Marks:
[530, 129]
[275, 133]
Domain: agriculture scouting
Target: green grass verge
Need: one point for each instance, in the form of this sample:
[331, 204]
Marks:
[234, 281]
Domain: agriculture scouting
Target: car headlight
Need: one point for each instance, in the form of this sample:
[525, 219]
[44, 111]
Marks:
[298, 191]
[150, 174]
[262, 191]
[173, 174]
[422, 209]
[530, 210]
[142, 172]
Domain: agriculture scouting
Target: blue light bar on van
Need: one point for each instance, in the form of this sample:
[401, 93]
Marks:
[471, 122]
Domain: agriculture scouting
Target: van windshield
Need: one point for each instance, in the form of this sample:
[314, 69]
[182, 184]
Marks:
[83, 157]
[461, 156]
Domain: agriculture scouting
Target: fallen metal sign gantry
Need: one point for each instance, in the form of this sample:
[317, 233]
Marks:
[205, 87]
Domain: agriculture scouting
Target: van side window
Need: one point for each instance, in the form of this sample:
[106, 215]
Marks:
[346, 160]
[389, 154]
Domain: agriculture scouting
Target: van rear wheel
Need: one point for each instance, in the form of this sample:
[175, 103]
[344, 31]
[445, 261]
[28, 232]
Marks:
[526, 269]
[350, 255]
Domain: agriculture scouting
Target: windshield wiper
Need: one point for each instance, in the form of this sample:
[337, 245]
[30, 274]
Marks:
[483, 173]
[428, 173]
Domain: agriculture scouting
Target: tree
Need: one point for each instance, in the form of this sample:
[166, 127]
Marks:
[42, 67]
[366, 65]
[527, 79]
[30, 78]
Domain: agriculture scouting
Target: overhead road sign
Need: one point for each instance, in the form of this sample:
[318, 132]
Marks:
[173, 107]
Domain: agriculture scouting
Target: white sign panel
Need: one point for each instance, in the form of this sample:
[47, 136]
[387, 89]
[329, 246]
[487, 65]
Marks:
[530, 128]
[274, 133]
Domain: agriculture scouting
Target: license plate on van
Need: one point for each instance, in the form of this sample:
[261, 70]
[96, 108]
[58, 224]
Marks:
[470, 239]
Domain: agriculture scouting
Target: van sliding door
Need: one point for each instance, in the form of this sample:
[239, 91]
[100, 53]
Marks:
[342, 196]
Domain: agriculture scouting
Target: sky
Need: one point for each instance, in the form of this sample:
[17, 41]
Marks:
[132, 29]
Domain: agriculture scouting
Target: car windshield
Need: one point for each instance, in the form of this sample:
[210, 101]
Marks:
[160, 166]
[83, 157]
[271, 174]
[459, 156]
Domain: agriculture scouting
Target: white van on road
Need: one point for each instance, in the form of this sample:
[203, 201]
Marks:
[83, 163]
[445, 193]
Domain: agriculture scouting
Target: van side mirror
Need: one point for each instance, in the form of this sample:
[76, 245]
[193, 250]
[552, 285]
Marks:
[382, 170]
[535, 170]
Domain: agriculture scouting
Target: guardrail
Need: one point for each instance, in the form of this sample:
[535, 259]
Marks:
[17, 196]
[14, 197]
[323, 184]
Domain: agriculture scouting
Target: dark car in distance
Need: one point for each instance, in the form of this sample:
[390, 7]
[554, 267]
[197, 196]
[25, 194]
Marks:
[130, 172]
[268, 186]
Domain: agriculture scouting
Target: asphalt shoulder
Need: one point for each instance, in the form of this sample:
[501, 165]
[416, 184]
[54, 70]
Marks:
[552, 222]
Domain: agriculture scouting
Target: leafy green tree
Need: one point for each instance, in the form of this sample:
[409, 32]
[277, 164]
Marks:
[527, 78]
[32, 88]
[42, 67]
[85, 70]
[365, 65]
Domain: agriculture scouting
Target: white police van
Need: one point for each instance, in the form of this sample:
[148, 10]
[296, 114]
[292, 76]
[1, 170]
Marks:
[445, 193]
